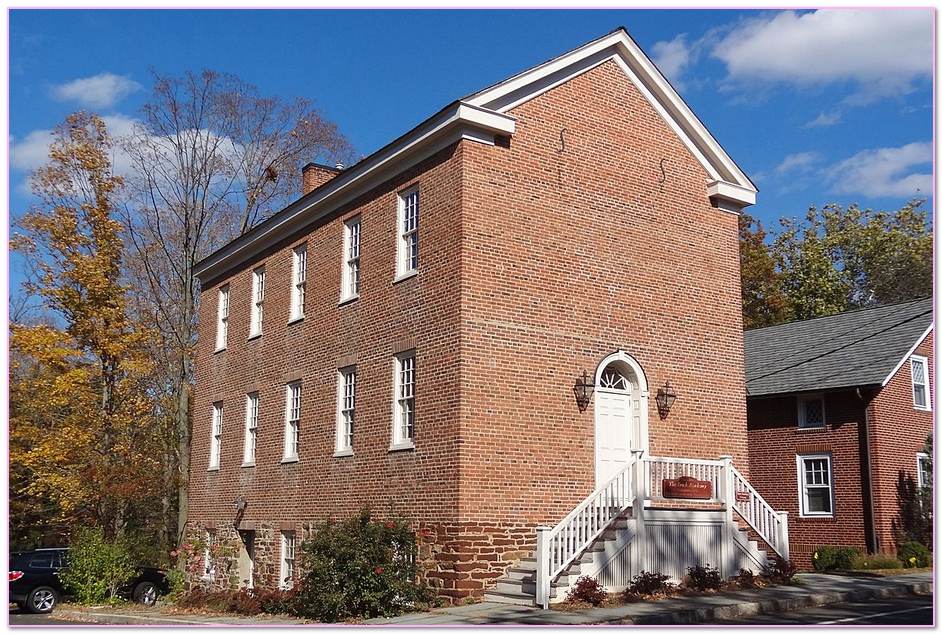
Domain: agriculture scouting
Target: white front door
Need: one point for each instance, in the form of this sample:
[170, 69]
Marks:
[613, 431]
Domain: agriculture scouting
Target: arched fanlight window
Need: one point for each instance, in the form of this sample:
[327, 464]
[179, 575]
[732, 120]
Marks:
[612, 379]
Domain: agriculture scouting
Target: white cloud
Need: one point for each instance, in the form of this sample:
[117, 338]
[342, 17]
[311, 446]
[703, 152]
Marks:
[882, 50]
[672, 57]
[885, 172]
[797, 162]
[824, 119]
[99, 91]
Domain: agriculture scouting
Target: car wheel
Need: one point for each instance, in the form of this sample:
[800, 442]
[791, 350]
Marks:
[41, 600]
[145, 593]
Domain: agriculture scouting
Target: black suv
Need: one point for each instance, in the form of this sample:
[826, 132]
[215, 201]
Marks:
[35, 585]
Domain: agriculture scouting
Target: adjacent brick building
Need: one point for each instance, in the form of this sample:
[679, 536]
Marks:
[839, 411]
[407, 334]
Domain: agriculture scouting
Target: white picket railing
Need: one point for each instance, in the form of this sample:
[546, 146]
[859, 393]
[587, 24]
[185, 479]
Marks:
[770, 524]
[658, 469]
[558, 546]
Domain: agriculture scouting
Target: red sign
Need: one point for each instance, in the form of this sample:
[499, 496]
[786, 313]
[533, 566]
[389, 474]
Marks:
[743, 496]
[688, 488]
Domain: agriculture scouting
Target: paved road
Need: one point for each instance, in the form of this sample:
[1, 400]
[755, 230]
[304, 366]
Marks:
[903, 611]
[25, 618]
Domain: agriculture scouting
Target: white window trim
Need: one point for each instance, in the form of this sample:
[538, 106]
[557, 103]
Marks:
[298, 282]
[290, 429]
[285, 581]
[346, 278]
[801, 411]
[799, 460]
[251, 409]
[222, 318]
[920, 456]
[403, 269]
[917, 358]
[257, 310]
[397, 442]
[215, 437]
[341, 448]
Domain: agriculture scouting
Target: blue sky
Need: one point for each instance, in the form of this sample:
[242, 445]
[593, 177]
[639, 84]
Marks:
[817, 107]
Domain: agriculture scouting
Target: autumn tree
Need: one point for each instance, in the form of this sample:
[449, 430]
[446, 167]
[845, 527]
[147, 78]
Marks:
[210, 159]
[85, 433]
[763, 300]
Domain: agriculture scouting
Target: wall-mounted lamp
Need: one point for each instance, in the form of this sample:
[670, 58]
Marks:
[583, 391]
[240, 505]
[665, 399]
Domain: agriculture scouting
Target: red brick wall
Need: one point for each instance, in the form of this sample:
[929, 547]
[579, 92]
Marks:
[898, 432]
[774, 442]
[573, 254]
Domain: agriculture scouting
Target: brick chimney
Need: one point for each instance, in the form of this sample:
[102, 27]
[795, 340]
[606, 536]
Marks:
[314, 175]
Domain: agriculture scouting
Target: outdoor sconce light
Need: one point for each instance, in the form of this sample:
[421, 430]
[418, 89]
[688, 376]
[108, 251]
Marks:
[240, 505]
[665, 399]
[583, 391]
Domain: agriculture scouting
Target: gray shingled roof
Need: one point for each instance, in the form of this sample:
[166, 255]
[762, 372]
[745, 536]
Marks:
[856, 348]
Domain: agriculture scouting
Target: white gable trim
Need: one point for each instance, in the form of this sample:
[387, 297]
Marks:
[906, 356]
[727, 182]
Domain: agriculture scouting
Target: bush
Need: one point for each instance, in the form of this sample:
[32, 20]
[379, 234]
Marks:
[242, 601]
[746, 579]
[874, 562]
[359, 568]
[587, 590]
[97, 567]
[274, 601]
[914, 555]
[781, 570]
[833, 558]
[702, 578]
[176, 582]
[649, 583]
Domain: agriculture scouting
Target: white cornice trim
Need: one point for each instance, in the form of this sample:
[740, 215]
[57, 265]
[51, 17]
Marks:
[722, 190]
[459, 121]
[908, 354]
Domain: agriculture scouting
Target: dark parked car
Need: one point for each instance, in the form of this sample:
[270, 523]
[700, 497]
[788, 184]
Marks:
[35, 584]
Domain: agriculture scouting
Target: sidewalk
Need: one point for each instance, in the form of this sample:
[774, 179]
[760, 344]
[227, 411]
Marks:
[815, 590]
[134, 615]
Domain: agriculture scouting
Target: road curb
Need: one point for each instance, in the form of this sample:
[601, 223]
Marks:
[772, 606]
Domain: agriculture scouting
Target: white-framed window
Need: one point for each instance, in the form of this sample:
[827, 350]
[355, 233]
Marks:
[215, 440]
[222, 318]
[923, 469]
[209, 565]
[403, 432]
[816, 485]
[346, 409]
[251, 428]
[286, 575]
[292, 420]
[811, 411]
[919, 367]
[350, 284]
[299, 281]
[408, 221]
[258, 302]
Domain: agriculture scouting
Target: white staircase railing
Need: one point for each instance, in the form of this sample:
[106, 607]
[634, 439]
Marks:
[771, 525]
[558, 546]
[658, 469]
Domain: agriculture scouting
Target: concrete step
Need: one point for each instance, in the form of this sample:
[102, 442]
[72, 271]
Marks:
[522, 586]
[512, 599]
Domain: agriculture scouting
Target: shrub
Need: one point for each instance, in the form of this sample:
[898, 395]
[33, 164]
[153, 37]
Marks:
[649, 583]
[240, 601]
[702, 578]
[746, 579]
[781, 570]
[914, 555]
[874, 562]
[176, 582]
[587, 590]
[274, 601]
[833, 558]
[359, 568]
[97, 567]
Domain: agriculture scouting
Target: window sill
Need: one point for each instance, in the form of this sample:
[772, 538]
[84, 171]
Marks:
[403, 446]
[217, 350]
[343, 453]
[347, 300]
[815, 428]
[255, 336]
[408, 275]
[289, 459]
[295, 320]
[922, 409]
[216, 468]
[817, 516]
[247, 464]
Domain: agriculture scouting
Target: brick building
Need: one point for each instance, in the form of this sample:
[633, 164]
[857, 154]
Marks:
[409, 334]
[839, 410]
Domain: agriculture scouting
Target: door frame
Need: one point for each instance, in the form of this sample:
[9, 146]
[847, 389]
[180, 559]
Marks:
[638, 437]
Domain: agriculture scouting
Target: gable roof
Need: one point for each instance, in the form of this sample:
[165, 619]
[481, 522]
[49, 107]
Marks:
[858, 348]
[482, 116]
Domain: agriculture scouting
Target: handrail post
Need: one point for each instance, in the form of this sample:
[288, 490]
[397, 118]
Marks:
[729, 501]
[542, 566]
[783, 534]
[638, 489]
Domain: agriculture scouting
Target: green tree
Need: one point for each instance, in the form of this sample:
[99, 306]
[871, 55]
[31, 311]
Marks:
[763, 300]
